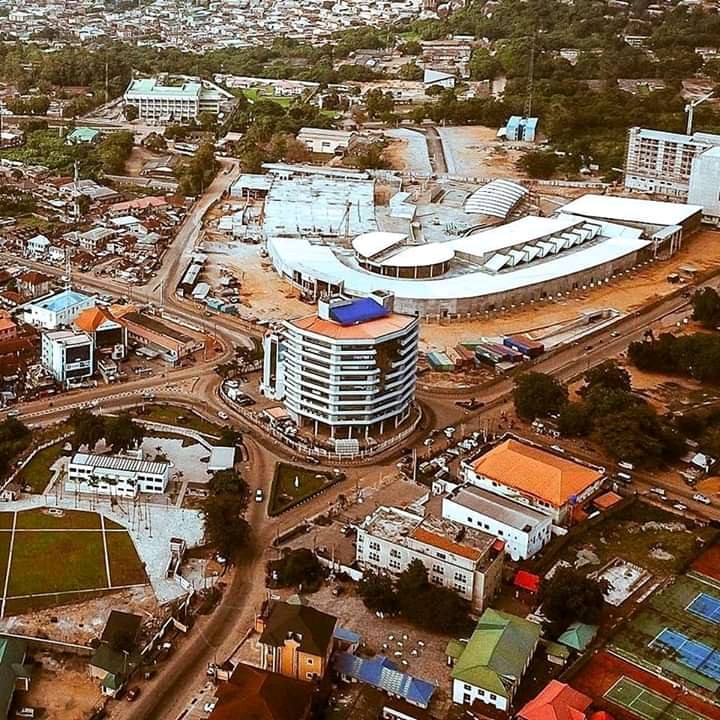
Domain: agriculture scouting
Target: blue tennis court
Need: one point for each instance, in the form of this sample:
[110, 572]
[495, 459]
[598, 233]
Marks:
[706, 607]
[695, 655]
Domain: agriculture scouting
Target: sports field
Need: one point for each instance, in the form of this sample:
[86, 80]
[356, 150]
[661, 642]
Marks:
[645, 703]
[52, 559]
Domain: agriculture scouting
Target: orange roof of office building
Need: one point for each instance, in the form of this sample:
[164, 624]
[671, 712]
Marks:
[557, 701]
[91, 319]
[536, 472]
[362, 331]
[443, 543]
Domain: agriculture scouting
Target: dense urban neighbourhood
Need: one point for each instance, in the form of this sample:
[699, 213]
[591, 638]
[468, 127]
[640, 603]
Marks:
[359, 361]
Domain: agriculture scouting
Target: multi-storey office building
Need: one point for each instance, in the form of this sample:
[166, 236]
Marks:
[116, 475]
[349, 370]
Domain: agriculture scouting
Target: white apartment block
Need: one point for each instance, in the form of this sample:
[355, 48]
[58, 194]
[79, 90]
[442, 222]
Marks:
[465, 560]
[116, 475]
[705, 185]
[664, 163]
[524, 531]
[176, 98]
[68, 356]
[350, 370]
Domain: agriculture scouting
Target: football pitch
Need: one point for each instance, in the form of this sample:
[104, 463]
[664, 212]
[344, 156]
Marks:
[52, 558]
[647, 704]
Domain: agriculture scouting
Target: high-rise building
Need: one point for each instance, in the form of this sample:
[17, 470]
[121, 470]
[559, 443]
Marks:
[661, 163]
[349, 370]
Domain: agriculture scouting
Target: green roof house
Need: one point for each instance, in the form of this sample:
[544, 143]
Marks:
[116, 657]
[83, 136]
[578, 636]
[14, 674]
[490, 666]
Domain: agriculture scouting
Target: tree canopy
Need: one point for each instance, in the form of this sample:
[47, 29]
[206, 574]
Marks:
[538, 395]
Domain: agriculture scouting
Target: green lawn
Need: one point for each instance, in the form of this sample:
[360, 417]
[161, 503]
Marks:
[181, 417]
[623, 535]
[285, 494]
[37, 472]
[4, 550]
[48, 562]
[254, 94]
[125, 565]
[6, 520]
[70, 520]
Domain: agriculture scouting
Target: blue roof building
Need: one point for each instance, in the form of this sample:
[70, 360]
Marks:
[382, 673]
[520, 129]
[57, 310]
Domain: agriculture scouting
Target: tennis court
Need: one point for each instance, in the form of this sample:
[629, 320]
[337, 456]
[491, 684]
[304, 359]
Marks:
[645, 703]
[706, 607]
[695, 655]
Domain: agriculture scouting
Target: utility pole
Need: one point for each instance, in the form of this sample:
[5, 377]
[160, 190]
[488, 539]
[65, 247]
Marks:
[531, 80]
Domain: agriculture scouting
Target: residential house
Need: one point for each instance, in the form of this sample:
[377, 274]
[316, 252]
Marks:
[557, 701]
[537, 478]
[33, 284]
[83, 136]
[116, 657]
[465, 560]
[262, 695]
[8, 329]
[15, 673]
[381, 673]
[37, 246]
[296, 640]
[490, 665]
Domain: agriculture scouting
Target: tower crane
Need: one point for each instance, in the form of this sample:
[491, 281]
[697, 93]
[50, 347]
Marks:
[690, 109]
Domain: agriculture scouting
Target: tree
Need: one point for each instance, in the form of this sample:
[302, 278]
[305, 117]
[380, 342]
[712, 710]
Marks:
[122, 432]
[230, 482]
[609, 376]
[14, 438]
[539, 164]
[483, 65]
[297, 568]
[575, 420]
[410, 71]
[378, 593]
[570, 597]
[196, 174]
[378, 102]
[88, 428]
[114, 150]
[131, 112]
[706, 307]
[155, 142]
[225, 524]
[538, 395]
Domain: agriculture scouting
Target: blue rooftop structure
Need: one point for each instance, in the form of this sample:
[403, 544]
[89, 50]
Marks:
[382, 673]
[62, 300]
[358, 311]
[346, 635]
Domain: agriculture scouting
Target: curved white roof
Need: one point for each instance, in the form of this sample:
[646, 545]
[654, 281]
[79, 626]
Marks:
[370, 244]
[497, 198]
[421, 255]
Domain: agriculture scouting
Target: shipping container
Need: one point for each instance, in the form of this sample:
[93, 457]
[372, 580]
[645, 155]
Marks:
[525, 345]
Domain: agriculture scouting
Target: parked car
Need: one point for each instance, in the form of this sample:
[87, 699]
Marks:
[133, 693]
[223, 415]
[259, 495]
[704, 499]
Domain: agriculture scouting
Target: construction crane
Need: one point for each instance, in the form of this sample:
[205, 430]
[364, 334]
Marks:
[690, 109]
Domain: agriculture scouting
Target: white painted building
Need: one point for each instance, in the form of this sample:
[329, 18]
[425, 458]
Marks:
[324, 141]
[661, 163]
[57, 310]
[705, 185]
[465, 560]
[523, 530]
[68, 355]
[177, 98]
[350, 369]
[118, 475]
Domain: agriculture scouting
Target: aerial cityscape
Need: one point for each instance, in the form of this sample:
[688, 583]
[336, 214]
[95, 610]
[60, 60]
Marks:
[359, 361]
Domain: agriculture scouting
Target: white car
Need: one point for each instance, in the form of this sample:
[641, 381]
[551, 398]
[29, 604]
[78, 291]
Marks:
[259, 495]
[680, 506]
[209, 707]
[704, 499]
[223, 415]
[658, 491]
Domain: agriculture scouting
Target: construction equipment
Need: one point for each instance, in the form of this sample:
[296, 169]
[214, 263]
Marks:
[690, 109]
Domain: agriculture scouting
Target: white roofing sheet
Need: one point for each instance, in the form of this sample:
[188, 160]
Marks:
[419, 255]
[651, 212]
[526, 229]
[373, 243]
[319, 261]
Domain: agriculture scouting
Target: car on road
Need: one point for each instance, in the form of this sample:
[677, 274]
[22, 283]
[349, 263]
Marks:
[209, 707]
[704, 499]
[133, 693]
[658, 491]
[680, 506]
[223, 415]
[615, 334]
[259, 495]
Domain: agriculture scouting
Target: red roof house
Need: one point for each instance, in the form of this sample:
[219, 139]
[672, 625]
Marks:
[557, 701]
